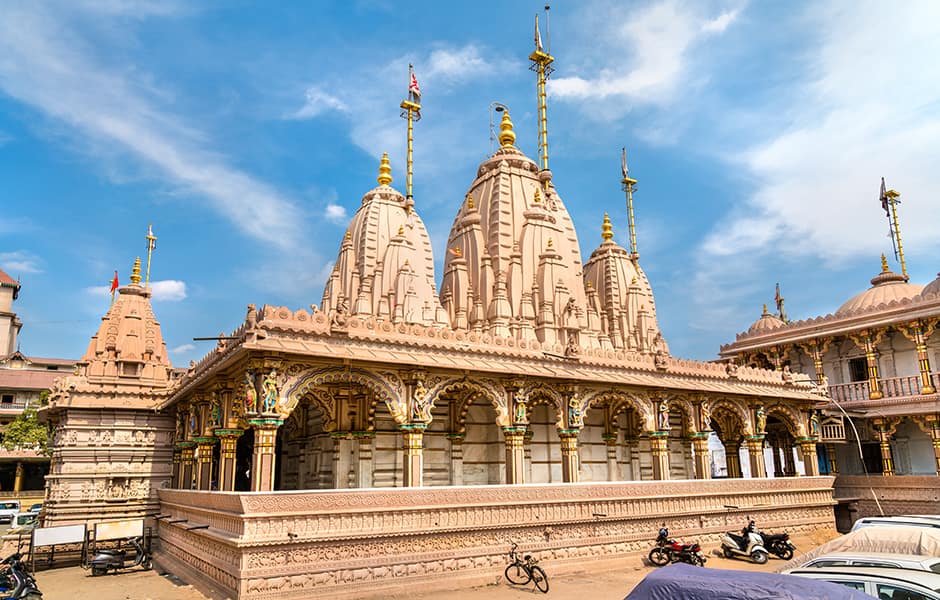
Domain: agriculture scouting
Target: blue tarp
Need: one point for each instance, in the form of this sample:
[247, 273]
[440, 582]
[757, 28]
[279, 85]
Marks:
[680, 581]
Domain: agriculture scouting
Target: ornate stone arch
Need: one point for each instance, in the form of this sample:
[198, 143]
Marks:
[385, 386]
[725, 411]
[475, 389]
[681, 402]
[620, 401]
[322, 399]
[791, 418]
[540, 394]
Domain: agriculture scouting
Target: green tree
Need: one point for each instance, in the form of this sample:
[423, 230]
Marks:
[26, 432]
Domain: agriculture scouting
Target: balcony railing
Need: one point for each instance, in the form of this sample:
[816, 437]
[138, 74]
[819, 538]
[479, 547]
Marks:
[892, 387]
[17, 406]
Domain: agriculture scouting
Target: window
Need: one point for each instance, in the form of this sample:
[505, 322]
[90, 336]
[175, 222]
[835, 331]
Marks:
[7, 399]
[828, 563]
[875, 563]
[858, 369]
[891, 592]
[871, 453]
[855, 585]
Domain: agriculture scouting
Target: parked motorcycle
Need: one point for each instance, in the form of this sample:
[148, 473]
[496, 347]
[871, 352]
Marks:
[16, 583]
[749, 544]
[105, 560]
[778, 544]
[669, 551]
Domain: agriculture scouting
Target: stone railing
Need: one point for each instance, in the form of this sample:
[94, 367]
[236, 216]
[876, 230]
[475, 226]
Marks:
[335, 543]
[892, 387]
[897, 495]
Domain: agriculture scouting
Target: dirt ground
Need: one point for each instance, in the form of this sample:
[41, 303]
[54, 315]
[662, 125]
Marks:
[74, 583]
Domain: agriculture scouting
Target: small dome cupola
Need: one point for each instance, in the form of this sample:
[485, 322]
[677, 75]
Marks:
[765, 324]
[886, 287]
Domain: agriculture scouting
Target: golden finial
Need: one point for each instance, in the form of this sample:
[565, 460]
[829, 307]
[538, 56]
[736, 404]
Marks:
[607, 231]
[507, 137]
[765, 313]
[884, 263]
[538, 196]
[385, 171]
[348, 235]
[135, 272]
[549, 242]
[469, 199]
[633, 280]
[401, 230]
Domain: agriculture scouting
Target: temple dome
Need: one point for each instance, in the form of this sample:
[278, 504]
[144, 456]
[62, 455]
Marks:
[385, 266]
[129, 344]
[765, 324]
[513, 265]
[885, 287]
[619, 293]
[932, 288]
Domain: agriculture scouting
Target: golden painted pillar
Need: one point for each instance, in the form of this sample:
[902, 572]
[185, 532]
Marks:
[659, 446]
[18, 479]
[831, 453]
[570, 461]
[263, 458]
[868, 341]
[816, 349]
[733, 459]
[918, 332]
[186, 465]
[515, 454]
[931, 424]
[175, 482]
[755, 452]
[228, 442]
[204, 462]
[413, 462]
[810, 460]
[884, 431]
[703, 463]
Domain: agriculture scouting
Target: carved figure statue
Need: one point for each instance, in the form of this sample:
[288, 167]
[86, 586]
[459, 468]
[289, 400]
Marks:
[706, 415]
[572, 349]
[250, 399]
[270, 391]
[822, 387]
[193, 422]
[421, 408]
[575, 418]
[340, 313]
[732, 369]
[814, 425]
[215, 413]
[664, 415]
[787, 374]
[520, 417]
[180, 427]
[761, 420]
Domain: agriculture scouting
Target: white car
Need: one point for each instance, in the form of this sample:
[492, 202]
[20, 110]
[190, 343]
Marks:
[884, 584]
[8, 510]
[913, 562]
[887, 521]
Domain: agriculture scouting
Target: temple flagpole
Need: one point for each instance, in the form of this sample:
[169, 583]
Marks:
[629, 184]
[411, 111]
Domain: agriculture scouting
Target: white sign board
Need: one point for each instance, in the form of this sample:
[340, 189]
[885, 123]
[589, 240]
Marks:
[115, 530]
[64, 534]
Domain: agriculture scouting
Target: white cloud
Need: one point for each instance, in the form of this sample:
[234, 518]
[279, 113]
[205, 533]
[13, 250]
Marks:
[183, 349]
[20, 261]
[168, 290]
[456, 64]
[98, 291]
[335, 213]
[49, 67]
[654, 44]
[316, 103]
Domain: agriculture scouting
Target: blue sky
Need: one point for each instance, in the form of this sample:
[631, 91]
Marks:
[247, 134]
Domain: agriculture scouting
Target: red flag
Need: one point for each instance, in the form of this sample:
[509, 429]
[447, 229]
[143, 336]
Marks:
[114, 283]
[413, 86]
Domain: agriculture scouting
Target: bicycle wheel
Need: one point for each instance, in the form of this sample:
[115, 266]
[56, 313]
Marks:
[540, 579]
[659, 557]
[516, 574]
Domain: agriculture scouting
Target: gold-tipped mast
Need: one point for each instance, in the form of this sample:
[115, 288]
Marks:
[411, 110]
[151, 244]
[889, 202]
[542, 65]
[629, 184]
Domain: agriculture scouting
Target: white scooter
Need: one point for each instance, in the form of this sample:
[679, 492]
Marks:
[749, 544]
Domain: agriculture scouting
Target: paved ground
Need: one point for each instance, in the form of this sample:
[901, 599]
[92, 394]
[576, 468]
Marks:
[74, 583]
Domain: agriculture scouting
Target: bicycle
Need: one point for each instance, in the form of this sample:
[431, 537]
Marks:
[522, 571]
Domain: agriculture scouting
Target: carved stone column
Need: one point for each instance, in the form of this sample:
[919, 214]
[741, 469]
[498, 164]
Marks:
[186, 464]
[342, 459]
[570, 461]
[263, 458]
[18, 478]
[789, 464]
[527, 453]
[177, 451]
[831, 454]
[632, 448]
[868, 341]
[931, 424]
[755, 451]
[456, 457]
[228, 442]
[918, 332]
[366, 471]
[884, 431]
[613, 473]
[413, 460]
[204, 462]
[515, 454]
[775, 450]
[733, 459]
[810, 460]
[703, 463]
[659, 446]
[816, 349]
